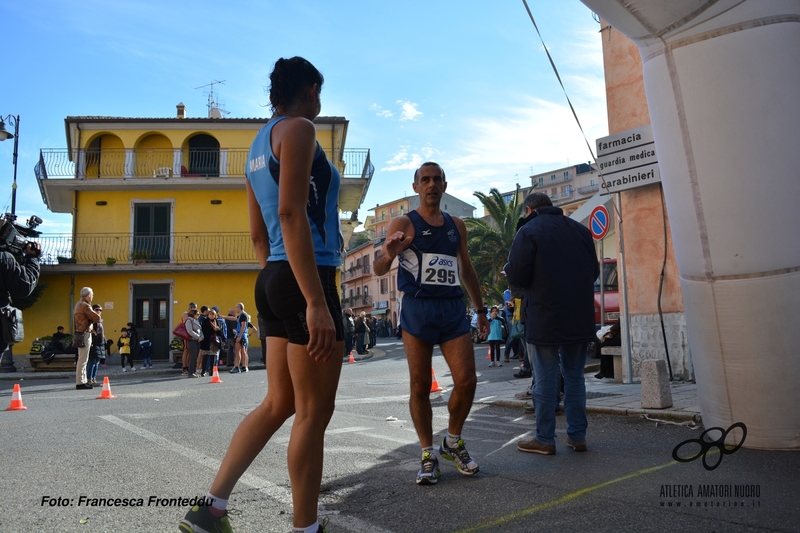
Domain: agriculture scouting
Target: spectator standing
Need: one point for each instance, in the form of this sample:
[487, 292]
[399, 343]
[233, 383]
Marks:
[195, 332]
[349, 331]
[554, 259]
[98, 347]
[125, 349]
[242, 360]
[83, 318]
[146, 351]
[495, 338]
[230, 338]
[373, 332]
[209, 345]
[362, 333]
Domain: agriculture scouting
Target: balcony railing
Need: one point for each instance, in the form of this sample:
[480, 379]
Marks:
[357, 301]
[174, 248]
[167, 162]
[588, 189]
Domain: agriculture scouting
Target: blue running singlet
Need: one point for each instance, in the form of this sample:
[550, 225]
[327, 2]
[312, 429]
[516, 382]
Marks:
[263, 172]
[429, 266]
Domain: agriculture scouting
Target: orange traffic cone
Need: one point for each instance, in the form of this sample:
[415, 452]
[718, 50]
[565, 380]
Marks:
[352, 359]
[106, 394]
[489, 355]
[215, 377]
[16, 400]
[434, 383]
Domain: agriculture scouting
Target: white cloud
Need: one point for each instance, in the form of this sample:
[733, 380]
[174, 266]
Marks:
[402, 160]
[380, 111]
[409, 110]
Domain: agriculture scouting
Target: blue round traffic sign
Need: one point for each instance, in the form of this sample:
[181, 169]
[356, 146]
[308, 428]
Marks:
[598, 222]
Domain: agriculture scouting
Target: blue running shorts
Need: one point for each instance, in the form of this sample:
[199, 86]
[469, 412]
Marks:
[434, 320]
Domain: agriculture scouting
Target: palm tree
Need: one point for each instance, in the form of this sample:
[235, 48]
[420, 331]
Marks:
[489, 242]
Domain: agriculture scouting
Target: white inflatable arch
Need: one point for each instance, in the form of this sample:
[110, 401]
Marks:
[722, 79]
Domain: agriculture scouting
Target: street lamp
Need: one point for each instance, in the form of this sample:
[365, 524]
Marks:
[5, 134]
[7, 363]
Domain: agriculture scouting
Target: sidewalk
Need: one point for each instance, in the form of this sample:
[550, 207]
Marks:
[603, 396]
[112, 370]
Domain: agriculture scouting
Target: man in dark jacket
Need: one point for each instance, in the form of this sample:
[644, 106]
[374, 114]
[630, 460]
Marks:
[554, 259]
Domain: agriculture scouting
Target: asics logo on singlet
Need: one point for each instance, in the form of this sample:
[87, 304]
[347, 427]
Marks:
[441, 262]
[258, 163]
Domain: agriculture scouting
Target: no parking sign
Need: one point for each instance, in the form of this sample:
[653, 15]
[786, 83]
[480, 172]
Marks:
[599, 222]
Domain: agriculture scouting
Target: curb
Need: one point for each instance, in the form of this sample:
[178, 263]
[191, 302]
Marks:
[666, 415]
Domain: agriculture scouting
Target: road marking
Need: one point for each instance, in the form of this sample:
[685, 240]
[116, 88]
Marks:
[493, 524]
[279, 494]
[347, 430]
[275, 492]
[381, 399]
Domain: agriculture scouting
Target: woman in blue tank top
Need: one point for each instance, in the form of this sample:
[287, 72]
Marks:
[292, 193]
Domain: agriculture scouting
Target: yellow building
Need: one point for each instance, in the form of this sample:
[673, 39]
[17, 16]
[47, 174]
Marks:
[160, 218]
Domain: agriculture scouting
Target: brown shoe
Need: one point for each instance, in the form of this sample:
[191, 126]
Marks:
[579, 446]
[534, 446]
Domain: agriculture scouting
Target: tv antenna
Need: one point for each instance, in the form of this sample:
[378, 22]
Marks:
[214, 110]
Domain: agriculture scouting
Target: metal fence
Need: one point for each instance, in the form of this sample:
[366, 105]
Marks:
[175, 248]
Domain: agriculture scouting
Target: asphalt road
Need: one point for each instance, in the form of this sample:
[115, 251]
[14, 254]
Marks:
[163, 438]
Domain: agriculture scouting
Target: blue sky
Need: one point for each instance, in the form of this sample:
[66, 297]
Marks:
[466, 84]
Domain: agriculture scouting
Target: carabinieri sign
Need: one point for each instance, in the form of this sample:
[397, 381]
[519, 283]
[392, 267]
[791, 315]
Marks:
[628, 160]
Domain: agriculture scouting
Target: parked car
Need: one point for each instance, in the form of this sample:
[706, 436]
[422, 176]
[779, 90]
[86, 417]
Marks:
[610, 298]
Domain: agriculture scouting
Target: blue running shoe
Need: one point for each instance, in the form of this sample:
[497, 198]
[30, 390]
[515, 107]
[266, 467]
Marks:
[460, 456]
[429, 471]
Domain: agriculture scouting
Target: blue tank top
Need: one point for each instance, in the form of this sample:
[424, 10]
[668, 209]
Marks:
[263, 172]
[429, 266]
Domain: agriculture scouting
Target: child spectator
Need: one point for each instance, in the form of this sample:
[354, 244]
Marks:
[124, 345]
[146, 351]
[495, 338]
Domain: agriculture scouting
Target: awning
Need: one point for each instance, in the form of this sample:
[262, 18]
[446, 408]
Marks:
[379, 312]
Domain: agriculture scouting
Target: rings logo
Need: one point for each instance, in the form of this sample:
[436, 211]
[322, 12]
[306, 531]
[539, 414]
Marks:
[708, 445]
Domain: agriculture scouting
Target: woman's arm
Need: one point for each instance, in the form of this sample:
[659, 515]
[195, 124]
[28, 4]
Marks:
[258, 228]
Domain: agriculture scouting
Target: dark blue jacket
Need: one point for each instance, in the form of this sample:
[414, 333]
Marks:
[554, 259]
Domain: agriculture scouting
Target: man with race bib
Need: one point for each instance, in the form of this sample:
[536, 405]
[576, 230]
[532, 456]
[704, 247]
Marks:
[431, 248]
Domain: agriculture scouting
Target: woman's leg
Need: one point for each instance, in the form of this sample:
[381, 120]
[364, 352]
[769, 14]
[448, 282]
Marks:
[257, 427]
[243, 355]
[315, 387]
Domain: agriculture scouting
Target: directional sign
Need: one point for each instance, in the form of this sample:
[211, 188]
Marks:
[628, 159]
[598, 222]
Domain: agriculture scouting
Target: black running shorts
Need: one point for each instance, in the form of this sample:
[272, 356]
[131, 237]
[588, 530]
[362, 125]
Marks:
[283, 307]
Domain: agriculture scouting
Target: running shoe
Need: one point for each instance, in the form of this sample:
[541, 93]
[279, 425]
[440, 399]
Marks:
[235, 370]
[200, 520]
[460, 456]
[429, 471]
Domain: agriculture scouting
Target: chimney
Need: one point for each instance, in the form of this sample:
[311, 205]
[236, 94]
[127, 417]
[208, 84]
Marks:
[181, 110]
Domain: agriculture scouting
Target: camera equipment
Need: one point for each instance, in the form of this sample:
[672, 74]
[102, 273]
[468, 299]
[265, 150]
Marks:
[13, 236]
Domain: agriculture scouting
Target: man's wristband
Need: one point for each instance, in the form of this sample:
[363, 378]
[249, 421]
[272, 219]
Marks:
[482, 311]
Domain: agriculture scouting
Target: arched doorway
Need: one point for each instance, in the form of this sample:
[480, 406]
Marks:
[204, 156]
